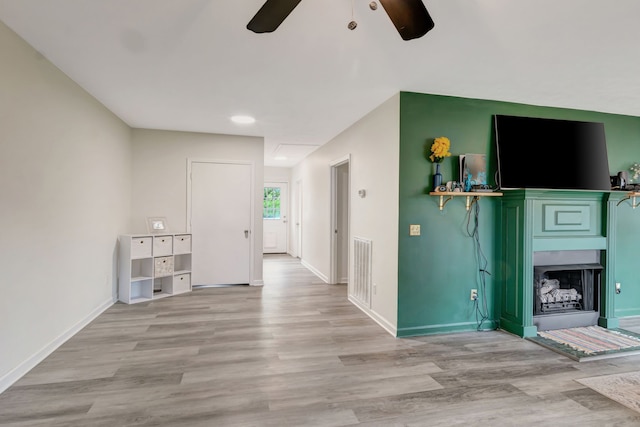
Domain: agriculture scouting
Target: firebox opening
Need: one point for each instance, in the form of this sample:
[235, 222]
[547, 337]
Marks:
[566, 295]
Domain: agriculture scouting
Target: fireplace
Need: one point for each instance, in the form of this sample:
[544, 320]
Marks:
[562, 240]
[566, 288]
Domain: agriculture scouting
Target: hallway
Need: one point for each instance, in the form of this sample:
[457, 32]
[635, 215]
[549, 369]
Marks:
[296, 353]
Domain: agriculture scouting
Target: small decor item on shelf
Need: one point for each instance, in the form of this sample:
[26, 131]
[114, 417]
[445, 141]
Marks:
[635, 172]
[473, 171]
[438, 151]
[157, 225]
[437, 178]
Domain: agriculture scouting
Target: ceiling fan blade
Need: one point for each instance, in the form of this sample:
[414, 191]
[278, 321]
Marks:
[271, 15]
[409, 16]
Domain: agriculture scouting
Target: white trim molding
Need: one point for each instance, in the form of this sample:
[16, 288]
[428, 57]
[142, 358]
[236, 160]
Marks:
[23, 368]
[315, 271]
[386, 325]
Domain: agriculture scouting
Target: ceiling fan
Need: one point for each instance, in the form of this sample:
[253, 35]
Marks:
[410, 17]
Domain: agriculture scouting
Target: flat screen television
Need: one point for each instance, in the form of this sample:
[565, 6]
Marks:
[542, 153]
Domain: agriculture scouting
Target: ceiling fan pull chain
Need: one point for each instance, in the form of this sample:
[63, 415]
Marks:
[352, 24]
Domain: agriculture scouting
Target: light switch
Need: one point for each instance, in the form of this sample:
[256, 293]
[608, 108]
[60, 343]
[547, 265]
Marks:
[414, 230]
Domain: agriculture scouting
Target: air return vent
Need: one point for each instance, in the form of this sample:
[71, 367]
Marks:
[362, 283]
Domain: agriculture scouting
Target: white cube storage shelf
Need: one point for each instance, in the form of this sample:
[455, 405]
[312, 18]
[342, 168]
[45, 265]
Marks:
[153, 267]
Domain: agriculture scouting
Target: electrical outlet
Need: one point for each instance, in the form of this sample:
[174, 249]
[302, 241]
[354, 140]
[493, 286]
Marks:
[474, 295]
[414, 230]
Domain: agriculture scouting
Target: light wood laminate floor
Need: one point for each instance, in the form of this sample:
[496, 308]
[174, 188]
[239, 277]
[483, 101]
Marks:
[296, 353]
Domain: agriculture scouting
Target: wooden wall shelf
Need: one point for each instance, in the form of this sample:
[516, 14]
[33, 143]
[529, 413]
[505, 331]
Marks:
[631, 196]
[471, 196]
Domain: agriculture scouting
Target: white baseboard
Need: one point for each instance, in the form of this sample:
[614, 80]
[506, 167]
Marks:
[257, 283]
[315, 271]
[19, 371]
[386, 325]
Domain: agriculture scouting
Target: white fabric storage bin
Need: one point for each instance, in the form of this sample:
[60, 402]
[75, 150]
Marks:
[140, 247]
[182, 244]
[182, 283]
[163, 266]
[162, 245]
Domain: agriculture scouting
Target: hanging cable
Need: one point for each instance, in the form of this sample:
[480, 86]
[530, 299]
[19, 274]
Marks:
[481, 310]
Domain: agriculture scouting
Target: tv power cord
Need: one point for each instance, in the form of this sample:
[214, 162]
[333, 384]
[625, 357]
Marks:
[480, 307]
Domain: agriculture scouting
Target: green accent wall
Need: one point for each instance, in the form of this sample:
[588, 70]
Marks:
[437, 270]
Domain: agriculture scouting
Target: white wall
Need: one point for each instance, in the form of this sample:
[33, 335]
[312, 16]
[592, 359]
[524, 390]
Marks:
[65, 171]
[160, 177]
[374, 145]
[274, 174]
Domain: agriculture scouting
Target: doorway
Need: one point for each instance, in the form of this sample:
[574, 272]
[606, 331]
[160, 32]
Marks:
[296, 230]
[340, 220]
[220, 219]
[275, 209]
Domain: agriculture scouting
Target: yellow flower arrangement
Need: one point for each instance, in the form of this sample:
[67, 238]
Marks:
[440, 149]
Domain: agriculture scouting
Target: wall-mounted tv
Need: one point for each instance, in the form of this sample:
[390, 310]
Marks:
[551, 154]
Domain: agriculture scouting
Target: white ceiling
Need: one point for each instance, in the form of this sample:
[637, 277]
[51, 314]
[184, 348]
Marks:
[191, 64]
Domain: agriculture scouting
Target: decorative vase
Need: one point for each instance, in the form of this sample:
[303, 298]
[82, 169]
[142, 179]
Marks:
[437, 178]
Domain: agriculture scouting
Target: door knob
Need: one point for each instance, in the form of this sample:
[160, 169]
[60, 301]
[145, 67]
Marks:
[246, 234]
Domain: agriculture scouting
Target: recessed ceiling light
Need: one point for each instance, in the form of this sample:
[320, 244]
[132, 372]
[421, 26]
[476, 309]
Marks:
[280, 158]
[243, 120]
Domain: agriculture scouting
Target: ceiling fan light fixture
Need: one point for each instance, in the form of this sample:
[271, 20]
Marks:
[243, 120]
[410, 17]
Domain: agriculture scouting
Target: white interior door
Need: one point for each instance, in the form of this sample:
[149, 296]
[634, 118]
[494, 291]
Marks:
[342, 222]
[296, 229]
[340, 219]
[274, 216]
[221, 223]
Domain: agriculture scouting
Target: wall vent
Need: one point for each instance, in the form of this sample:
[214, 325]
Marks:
[362, 282]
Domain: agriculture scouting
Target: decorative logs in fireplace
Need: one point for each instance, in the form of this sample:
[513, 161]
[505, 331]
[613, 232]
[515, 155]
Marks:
[553, 298]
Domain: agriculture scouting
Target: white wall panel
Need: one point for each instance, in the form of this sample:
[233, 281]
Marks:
[65, 173]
